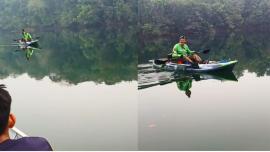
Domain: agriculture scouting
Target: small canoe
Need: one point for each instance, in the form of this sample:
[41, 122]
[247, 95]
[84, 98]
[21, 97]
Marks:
[28, 43]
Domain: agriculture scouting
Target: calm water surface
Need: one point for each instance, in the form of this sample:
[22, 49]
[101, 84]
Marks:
[85, 116]
[219, 116]
[82, 94]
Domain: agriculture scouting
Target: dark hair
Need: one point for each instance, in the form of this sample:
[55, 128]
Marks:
[182, 37]
[188, 93]
[5, 103]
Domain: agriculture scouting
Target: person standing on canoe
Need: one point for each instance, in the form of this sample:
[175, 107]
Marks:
[181, 51]
[26, 36]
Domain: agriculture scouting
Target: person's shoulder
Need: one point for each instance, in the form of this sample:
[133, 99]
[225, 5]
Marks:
[31, 139]
[29, 144]
[37, 143]
[185, 45]
[176, 45]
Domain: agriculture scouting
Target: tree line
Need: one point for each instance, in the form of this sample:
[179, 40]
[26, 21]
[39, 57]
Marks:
[66, 13]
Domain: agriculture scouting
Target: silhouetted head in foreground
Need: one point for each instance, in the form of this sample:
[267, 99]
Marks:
[7, 121]
[6, 118]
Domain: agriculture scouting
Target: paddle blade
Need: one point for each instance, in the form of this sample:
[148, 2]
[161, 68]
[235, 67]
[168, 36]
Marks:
[206, 51]
[169, 56]
[160, 61]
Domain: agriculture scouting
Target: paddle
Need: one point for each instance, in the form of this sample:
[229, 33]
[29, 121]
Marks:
[7, 45]
[38, 37]
[20, 39]
[161, 61]
[204, 51]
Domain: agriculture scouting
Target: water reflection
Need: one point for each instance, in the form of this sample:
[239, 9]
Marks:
[218, 116]
[74, 57]
[149, 77]
[28, 50]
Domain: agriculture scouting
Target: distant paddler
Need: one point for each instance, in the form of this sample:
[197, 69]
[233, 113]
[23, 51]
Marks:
[26, 37]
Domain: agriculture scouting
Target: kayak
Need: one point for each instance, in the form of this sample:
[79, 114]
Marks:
[211, 66]
[28, 43]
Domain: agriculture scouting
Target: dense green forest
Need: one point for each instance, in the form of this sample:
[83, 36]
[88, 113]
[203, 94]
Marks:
[16, 14]
[197, 16]
[150, 15]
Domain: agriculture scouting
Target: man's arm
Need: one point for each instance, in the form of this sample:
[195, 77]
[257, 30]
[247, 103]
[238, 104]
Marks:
[174, 52]
[189, 52]
[24, 36]
[29, 36]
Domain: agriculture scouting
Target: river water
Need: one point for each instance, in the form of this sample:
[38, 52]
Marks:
[84, 91]
[219, 115]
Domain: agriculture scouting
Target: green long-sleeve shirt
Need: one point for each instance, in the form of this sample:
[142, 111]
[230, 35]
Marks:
[180, 51]
[27, 36]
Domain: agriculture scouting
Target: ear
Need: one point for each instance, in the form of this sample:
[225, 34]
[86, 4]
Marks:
[11, 120]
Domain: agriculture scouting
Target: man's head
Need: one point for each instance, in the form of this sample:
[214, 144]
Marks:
[182, 40]
[188, 93]
[7, 120]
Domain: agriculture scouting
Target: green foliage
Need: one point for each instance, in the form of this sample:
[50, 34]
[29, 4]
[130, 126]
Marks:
[202, 16]
[66, 13]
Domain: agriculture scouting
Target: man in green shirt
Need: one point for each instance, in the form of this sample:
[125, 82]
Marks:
[182, 51]
[26, 36]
